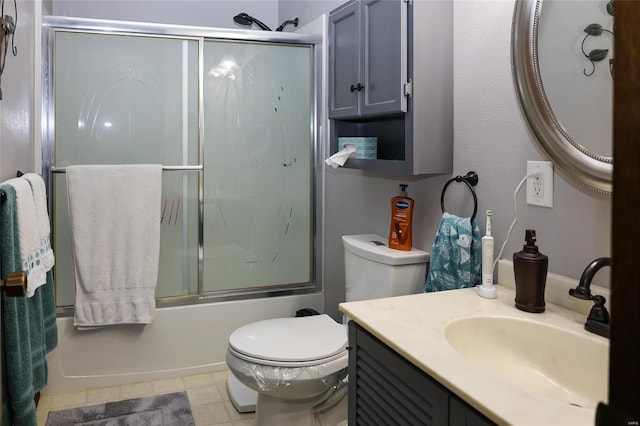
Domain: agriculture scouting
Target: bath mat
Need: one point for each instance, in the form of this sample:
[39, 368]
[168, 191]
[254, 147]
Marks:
[159, 410]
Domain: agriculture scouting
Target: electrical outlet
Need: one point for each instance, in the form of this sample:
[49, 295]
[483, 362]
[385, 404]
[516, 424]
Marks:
[540, 185]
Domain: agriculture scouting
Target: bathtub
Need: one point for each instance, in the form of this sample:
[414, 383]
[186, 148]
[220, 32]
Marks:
[180, 341]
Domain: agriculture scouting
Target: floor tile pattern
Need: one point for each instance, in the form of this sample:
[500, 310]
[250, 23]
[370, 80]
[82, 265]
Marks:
[207, 395]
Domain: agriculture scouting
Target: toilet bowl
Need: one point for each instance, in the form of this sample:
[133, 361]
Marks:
[295, 368]
[296, 365]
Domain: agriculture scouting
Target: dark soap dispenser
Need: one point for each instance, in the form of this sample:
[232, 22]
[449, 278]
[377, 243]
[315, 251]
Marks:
[530, 269]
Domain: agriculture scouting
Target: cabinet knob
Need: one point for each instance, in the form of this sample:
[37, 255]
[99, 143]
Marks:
[357, 87]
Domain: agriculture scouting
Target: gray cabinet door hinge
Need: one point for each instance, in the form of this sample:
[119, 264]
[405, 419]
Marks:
[408, 88]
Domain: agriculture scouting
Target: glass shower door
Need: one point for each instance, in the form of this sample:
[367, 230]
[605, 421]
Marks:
[241, 110]
[126, 99]
[258, 165]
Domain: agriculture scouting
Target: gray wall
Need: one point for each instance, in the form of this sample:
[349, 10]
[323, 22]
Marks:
[305, 10]
[16, 108]
[208, 13]
[490, 137]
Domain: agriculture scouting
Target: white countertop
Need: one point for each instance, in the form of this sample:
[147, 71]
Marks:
[414, 327]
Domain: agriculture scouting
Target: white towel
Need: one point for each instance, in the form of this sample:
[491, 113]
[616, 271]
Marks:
[30, 255]
[42, 217]
[114, 215]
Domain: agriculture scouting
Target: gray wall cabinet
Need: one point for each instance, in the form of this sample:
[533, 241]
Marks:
[368, 58]
[385, 388]
[391, 77]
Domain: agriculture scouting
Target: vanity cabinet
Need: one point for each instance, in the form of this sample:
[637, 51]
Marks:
[368, 59]
[385, 388]
[391, 77]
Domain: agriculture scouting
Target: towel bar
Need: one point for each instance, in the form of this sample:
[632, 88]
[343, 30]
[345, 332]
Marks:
[471, 180]
[55, 169]
[15, 285]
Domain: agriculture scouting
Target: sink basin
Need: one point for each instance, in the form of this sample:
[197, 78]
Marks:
[546, 360]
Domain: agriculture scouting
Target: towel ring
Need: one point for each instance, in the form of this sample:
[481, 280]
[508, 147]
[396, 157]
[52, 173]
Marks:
[471, 180]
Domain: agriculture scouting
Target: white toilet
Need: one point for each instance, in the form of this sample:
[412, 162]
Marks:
[298, 366]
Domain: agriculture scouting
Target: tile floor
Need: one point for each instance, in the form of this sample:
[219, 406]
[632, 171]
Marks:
[207, 395]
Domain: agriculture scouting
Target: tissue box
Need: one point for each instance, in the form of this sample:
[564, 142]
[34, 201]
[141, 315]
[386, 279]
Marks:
[365, 147]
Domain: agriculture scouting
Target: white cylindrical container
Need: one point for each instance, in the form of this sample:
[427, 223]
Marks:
[373, 270]
[486, 289]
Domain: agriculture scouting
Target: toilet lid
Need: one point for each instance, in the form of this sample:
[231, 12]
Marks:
[290, 339]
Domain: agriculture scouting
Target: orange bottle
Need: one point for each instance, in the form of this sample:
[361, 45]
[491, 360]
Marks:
[401, 217]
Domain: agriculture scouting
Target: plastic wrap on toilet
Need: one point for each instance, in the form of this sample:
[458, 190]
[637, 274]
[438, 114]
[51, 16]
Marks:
[270, 377]
[334, 397]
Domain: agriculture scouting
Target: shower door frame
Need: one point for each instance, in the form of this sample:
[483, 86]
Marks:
[53, 24]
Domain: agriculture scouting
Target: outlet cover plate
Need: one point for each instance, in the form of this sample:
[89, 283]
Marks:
[540, 188]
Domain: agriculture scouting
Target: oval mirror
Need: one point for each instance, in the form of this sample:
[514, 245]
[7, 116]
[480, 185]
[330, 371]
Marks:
[561, 53]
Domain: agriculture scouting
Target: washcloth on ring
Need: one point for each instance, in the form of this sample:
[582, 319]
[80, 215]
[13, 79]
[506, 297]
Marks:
[456, 255]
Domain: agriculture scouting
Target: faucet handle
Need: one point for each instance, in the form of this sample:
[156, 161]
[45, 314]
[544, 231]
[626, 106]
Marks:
[598, 319]
[581, 293]
[598, 311]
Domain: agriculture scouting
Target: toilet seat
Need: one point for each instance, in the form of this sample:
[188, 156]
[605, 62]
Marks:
[290, 342]
[290, 364]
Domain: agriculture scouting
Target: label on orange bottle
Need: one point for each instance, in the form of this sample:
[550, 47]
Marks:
[401, 217]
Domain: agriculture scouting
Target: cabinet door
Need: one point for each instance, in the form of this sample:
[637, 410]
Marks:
[386, 389]
[384, 56]
[461, 414]
[344, 62]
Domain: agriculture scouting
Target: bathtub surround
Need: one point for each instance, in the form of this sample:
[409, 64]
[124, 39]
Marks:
[161, 410]
[182, 340]
[114, 212]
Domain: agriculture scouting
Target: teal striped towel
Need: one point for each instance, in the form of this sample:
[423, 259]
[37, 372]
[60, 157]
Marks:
[456, 255]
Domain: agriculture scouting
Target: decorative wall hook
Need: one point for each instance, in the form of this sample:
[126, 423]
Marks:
[597, 55]
[7, 28]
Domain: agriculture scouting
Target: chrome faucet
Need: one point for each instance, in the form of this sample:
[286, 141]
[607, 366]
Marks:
[598, 319]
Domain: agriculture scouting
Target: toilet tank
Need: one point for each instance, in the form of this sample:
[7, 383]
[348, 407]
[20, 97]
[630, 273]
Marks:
[373, 270]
